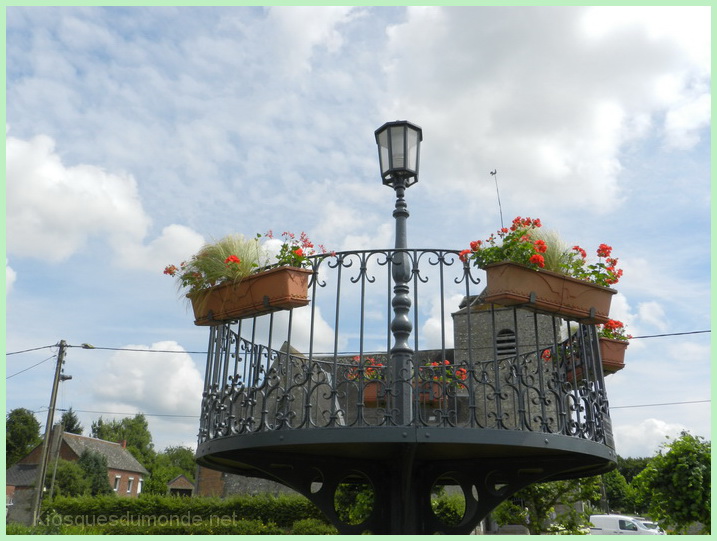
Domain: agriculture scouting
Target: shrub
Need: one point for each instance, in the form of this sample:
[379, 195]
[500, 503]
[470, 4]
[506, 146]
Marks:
[283, 510]
[312, 526]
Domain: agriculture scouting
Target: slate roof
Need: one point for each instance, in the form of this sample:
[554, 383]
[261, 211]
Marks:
[21, 475]
[117, 457]
[181, 482]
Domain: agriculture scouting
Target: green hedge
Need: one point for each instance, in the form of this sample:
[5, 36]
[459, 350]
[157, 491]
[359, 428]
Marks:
[312, 526]
[240, 527]
[282, 510]
[207, 527]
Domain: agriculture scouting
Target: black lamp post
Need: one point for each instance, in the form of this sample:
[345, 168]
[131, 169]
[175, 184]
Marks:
[399, 146]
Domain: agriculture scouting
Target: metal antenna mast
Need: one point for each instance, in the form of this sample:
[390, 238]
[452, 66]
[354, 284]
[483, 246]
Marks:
[494, 174]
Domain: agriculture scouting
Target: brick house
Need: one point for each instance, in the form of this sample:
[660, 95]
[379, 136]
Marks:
[124, 472]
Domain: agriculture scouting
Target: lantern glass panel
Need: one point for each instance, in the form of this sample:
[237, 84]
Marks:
[398, 147]
[383, 152]
[412, 148]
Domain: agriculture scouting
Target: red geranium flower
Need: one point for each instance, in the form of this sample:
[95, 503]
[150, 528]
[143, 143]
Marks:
[540, 246]
[604, 250]
[537, 259]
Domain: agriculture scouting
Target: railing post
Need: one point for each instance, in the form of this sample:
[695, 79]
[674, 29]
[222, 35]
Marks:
[401, 326]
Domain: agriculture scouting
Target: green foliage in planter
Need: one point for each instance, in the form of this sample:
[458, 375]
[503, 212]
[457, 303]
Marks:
[556, 256]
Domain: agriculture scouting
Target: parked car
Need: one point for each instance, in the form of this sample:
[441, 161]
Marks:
[650, 525]
[619, 525]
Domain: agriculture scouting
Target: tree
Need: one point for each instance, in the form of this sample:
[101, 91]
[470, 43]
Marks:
[133, 430]
[676, 484]
[533, 505]
[94, 466]
[631, 467]
[71, 423]
[70, 478]
[167, 465]
[620, 495]
[22, 435]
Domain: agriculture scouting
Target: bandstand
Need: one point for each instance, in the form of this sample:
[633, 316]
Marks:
[398, 377]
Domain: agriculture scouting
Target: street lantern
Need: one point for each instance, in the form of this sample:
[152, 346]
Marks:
[399, 146]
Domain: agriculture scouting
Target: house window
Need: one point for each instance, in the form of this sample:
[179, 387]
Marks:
[505, 343]
[118, 478]
[139, 485]
[130, 482]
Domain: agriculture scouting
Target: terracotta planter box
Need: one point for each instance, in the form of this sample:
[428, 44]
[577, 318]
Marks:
[371, 396]
[431, 394]
[281, 288]
[510, 284]
[612, 353]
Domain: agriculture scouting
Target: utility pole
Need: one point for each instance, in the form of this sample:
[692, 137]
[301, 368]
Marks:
[40, 481]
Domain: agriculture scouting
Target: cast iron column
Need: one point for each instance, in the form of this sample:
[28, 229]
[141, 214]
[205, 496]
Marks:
[401, 326]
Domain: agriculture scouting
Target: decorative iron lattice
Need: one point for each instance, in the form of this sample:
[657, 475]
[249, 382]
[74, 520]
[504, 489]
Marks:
[472, 366]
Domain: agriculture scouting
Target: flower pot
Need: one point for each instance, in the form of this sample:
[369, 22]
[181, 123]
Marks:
[371, 397]
[510, 284]
[431, 394]
[612, 353]
[281, 288]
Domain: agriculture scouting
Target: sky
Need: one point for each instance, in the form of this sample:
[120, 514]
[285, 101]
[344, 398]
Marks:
[135, 134]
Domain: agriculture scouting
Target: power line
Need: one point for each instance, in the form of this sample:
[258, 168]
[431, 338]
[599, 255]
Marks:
[662, 404]
[142, 350]
[31, 349]
[29, 367]
[129, 413]
[669, 334]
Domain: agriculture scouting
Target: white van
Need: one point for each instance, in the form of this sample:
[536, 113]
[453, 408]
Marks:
[619, 525]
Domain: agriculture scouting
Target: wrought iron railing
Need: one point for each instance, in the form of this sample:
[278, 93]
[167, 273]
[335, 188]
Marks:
[473, 366]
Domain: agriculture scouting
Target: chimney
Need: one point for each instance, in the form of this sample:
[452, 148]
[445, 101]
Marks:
[123, 443]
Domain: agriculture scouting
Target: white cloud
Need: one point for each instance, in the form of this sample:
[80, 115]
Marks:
[644, 439]
[160, 383]
[653, 313]
[691, 357]
[431, 331]
[297, 30]
[323, 337]
[382, 237]
[10, 277]
[684, 121]
[54, 210]
[547, 96]
[176, 243]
